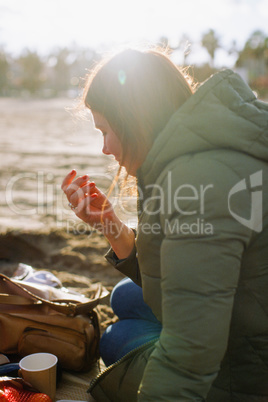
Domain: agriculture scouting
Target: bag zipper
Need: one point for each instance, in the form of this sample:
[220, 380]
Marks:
[126, 356]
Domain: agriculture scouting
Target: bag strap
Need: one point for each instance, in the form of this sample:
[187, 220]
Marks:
[16, 299]
[67, 307]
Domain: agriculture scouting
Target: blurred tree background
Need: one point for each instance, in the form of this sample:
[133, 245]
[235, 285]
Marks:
[59, 73]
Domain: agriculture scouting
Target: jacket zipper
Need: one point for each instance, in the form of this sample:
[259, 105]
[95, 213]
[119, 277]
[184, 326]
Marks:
[109, 368]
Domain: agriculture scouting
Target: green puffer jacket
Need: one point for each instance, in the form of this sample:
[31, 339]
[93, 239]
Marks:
[202, 248]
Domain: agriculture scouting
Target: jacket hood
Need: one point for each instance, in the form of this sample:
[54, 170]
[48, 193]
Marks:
[222, 113]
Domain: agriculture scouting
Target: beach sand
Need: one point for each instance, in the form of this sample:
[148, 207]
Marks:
[40, 142]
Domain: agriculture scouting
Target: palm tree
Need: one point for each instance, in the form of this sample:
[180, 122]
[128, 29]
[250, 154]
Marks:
[211, 42]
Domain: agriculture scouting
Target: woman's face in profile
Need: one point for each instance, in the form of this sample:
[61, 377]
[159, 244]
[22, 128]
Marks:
[112, 144]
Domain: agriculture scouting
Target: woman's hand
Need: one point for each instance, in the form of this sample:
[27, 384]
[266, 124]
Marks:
[89, 203]
[94, 208]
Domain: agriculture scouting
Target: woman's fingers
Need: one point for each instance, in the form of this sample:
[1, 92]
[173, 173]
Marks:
[75, 189]
[69, 185]
[92, 203]
[89, 203]
[84, 208]
[86, 188]
[68, 180]
[75, 185]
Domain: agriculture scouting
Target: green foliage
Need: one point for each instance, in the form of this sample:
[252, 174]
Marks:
[211, 42]
[4, 71]
[51, 75]
[31, 68]
[254, 58]
[256, 47]
[59, 73]
[201, 73]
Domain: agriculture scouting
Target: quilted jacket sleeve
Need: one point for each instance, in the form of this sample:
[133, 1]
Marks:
[200, 267]
[128, 266]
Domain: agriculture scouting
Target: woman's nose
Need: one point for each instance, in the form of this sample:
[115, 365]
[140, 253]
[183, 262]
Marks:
[105, 150]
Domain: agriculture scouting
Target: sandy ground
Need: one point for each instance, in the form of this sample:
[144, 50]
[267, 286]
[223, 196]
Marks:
[40, 142]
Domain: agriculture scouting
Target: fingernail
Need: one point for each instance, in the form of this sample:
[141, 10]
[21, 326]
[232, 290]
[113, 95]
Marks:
[72, 172]
[92, 184]
[85, 177]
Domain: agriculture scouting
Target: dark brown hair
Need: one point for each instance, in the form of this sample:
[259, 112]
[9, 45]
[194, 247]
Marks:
[137, 92]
